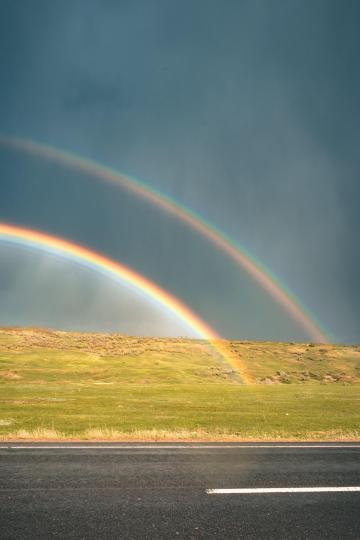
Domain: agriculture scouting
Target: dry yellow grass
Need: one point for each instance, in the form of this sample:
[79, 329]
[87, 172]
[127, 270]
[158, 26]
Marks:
[162, 435]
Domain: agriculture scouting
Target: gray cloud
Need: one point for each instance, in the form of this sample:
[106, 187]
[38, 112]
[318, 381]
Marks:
[244, 111]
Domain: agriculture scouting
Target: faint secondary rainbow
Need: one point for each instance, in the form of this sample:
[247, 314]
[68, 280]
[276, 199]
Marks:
[114, 269]
[261, 275]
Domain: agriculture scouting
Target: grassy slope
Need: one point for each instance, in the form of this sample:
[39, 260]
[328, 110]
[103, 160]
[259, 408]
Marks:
[54, 384]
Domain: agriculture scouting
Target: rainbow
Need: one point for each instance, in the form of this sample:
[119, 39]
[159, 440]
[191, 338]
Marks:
[99, 263]
[263, 276]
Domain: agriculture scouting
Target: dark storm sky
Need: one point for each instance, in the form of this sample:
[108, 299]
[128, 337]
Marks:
[246, 111]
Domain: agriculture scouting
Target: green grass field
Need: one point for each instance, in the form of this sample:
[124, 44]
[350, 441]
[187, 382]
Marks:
[93, 386]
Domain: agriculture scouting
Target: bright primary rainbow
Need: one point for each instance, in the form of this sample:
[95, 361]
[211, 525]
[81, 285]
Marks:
[277, 290]
[86, 257]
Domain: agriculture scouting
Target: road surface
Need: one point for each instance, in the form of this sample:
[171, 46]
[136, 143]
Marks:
[170, 491]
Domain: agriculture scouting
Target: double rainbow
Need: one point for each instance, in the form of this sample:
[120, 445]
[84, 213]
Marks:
[277, 290]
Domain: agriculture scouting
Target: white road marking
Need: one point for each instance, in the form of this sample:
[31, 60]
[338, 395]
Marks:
[188, 446]
[246, 491]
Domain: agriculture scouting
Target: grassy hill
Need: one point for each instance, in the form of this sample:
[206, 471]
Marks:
[55, 384]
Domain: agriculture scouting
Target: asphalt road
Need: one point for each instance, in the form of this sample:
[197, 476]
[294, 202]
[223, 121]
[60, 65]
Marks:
[162, 491]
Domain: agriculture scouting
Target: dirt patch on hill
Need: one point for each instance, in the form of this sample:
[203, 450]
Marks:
[9, 375]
